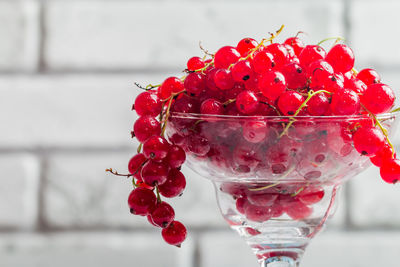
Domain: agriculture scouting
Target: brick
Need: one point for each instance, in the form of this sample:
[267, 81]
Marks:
[341, 248]
[96, 249]
[374, 43]
[79, 194]
[18, 191]
[373, 203]
[134, 35]
[19, 50]
[67, 110]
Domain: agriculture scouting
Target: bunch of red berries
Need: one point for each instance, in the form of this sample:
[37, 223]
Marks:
[252, 79]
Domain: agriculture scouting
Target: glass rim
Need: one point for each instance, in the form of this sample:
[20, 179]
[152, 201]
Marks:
[181, 115]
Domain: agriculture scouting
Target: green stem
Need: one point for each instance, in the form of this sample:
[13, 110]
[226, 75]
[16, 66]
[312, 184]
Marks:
[304, 104]
[139, 149]
[337, 38]
[166, 117]
[395, 110]
[275, 184]
[158, 195]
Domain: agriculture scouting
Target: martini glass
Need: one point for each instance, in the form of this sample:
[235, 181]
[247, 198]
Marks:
[276, 178]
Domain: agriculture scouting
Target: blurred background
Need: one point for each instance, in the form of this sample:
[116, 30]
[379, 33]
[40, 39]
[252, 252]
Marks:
[67, 69]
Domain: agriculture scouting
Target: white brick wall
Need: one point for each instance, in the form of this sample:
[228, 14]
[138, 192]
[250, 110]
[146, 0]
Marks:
[66, 88]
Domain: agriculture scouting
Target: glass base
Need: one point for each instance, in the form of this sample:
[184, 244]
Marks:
[281, 261]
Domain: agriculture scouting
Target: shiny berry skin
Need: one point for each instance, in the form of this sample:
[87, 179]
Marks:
[247, 102]
[211, 106]
[198, 145]
[245, 45]
[263, 62]
[176, 156]
[146, 126]
[279, 52]
[162, 215]
[311, 53]
[378, 98]
[333, 83]
[223, 79]
[369, 76]
[155, 173]
[345, 102]
[272, 84]
[383, 154]
[195, 63]
[242, 71]
[262, 198]
[318, 105]
[296, 43]
[174, 185]
[195, 83]
[341, 57]
[390, 171]
[368, 140]
[310, 196]
[289, 102]
[174, 234]
[356, 85]
[135, 165]
[255, 131]
[169, 86]
[141, 201]
[186, 104]
[147, 103]
[240, 202]
[156, 148]
[319, 71]
[226, 56]
[295, 76]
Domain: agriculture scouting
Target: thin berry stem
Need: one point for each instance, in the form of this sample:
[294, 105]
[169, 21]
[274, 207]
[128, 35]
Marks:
[383, 129]
[158, 195]
[337, 39]
[395, 110]
[116, 173]
[229, 101]
[275, 184]
[311, 93]
[139, 149]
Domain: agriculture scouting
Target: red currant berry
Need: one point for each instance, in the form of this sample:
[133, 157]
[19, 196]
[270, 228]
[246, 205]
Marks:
[195, 83]
[176, 156]
[198, 145]
[247, 102]
[245, 45]
[174, 234]
[226, 56]
[170, 86]
[155, 173]
[135, 165]
[272, 84]
[345, 102]
[378, 98]
[141, 201]
[156, 148]
[212, 106]
[162, 215]
[240, 202]
[174, 185]
[262, 198]
[310, 196]
[390, 171]
[311, 53]
[257, 213]
[242, 71]
[319, 71]
[195, 63]
[356, 85]
[341, 57]
[210, 75]
[289, 102]
[279, 52]
[147, 103]
[296, 43]
[369, 76]
[145, 127]
[297, 210]
[333, 83]
[383, 154]
[368, 140]
[186, 104]
[262, 62]
[223, 79]
[295, 76]
[318, 105]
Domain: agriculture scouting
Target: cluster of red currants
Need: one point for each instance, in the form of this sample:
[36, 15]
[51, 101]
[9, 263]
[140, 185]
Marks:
[253, 79]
